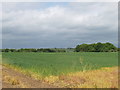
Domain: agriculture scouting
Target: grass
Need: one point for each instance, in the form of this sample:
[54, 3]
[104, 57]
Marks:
[102, 78]
[47, 64]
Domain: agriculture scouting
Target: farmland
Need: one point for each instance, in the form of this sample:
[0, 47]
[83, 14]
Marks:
[72, 69]
[46, 64]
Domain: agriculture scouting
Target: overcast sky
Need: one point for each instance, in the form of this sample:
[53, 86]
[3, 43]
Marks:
[60, 25]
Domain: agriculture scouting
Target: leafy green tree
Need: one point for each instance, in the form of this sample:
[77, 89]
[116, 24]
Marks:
[96, 47]
[12, 50]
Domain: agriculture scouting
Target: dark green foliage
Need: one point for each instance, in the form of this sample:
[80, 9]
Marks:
[97, 47]
[5, 50]
[119, 49]
[34, 50]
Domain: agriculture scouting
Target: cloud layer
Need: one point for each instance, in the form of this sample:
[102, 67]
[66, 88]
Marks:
[37, 25]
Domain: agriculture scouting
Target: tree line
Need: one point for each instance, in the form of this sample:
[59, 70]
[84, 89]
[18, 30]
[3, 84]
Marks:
[95, 47]
[33, 50]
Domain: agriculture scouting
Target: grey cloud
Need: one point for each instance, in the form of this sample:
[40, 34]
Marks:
[60, 26]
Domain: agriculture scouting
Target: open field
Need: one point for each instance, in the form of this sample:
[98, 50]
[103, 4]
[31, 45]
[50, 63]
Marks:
[79, 70]
[46, 64]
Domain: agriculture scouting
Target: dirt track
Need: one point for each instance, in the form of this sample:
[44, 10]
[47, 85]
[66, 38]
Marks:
[107, 77]
[14, 79]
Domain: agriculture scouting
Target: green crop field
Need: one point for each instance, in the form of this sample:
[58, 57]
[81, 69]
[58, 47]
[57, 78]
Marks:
[46, 64]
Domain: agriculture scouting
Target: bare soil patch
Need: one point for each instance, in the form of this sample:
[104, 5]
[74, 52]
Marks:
[14, 79]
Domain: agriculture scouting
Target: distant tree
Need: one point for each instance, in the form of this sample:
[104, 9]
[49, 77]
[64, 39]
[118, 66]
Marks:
[119, 49]
[6, 50]
[81, 48]
[108, 47]
[77, 49]
[91, 48]
[12, 50]
[96, 47]
[18, 50]
[33, 50]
